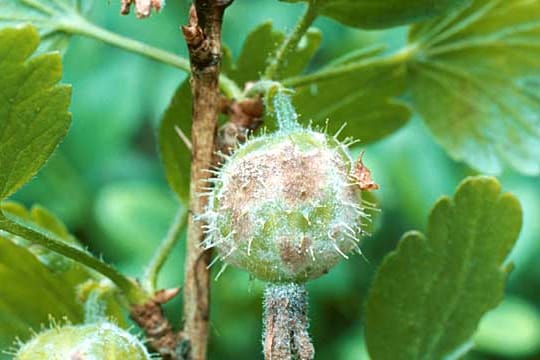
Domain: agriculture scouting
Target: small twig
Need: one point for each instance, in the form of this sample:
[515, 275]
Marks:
[290, 43]
[362, 175]
[203, 38]
[158, 260]
[149, 316]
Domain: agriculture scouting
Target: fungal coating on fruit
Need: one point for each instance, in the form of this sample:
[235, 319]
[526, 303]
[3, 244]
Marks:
[98, 341]
[285, 206]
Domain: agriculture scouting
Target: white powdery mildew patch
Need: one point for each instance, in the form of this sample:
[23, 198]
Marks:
[283, 206]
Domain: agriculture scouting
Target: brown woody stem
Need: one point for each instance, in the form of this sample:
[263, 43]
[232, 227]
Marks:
[203, 38]
[159, 333]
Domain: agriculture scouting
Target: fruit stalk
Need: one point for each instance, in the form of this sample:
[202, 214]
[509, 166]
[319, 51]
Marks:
[286, 323]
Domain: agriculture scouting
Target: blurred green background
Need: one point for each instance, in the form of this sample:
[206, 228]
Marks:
[106, 182]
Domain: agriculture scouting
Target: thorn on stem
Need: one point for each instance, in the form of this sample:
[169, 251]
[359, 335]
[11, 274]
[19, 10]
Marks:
[200, 47]
[184, 138]
[165, 295]
[193, 32]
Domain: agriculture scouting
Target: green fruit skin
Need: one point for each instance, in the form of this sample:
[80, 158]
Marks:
[284, 207]
[100, 341]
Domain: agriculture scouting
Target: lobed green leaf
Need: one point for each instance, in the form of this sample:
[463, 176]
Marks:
[380, 14]
[34, 115]
[430, 294]
[363, 99]
[474, 79]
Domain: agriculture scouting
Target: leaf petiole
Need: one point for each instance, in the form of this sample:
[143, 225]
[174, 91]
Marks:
[149, 281]
[132, 291]
[78, 25]
[401, 56]
[277, 62]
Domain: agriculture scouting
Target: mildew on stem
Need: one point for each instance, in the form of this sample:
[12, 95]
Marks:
[286, 323]
[273, 71]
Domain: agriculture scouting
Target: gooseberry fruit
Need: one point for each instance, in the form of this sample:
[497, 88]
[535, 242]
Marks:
[284, 206]
[98, 341]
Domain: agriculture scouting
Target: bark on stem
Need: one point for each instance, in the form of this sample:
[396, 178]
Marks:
[159, 333]
[203, 37]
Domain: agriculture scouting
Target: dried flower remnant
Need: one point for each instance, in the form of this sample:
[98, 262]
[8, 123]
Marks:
[363, 177]
[143, 8]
